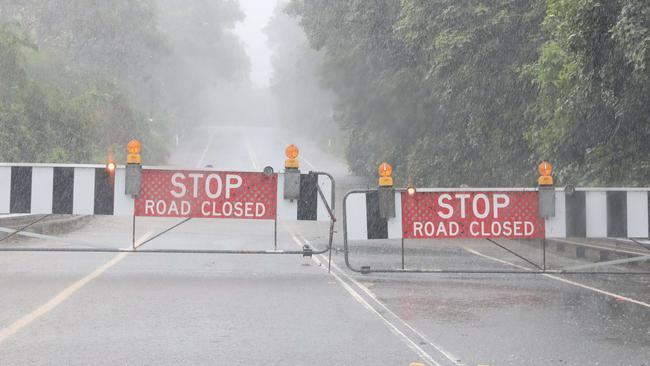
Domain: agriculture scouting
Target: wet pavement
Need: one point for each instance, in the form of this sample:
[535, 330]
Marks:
[140, 309]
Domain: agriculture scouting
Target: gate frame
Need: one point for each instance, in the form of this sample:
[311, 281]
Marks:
[307, 251]
[540, 270]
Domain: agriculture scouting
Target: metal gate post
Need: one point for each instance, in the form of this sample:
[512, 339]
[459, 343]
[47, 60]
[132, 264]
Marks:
[544, 254]
[275, 231]
[133, 232]
[402, 253]
[330, 211]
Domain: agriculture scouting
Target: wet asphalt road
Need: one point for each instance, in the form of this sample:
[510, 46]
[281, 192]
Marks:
[144, 309]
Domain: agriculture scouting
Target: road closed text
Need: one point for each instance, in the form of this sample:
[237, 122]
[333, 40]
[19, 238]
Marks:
[471, 215]
[207, 195]
[207, 208]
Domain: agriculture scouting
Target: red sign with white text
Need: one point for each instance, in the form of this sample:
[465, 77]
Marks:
[489, 214]
[207, 194]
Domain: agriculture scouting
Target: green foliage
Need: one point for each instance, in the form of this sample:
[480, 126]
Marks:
[477, 92]
[80, 78]
[593, 113]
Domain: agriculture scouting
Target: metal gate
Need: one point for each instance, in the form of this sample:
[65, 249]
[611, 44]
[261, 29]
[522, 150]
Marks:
[43, 190]
[598, 230]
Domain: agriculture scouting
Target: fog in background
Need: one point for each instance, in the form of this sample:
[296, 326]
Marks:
[251, 32]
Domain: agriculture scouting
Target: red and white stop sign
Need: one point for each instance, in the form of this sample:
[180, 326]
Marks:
[207, 194]
[488, 214]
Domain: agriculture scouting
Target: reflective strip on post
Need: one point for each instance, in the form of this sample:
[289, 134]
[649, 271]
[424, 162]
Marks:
[42, 192]
[637, 214]
[364, 221]
[5, 189]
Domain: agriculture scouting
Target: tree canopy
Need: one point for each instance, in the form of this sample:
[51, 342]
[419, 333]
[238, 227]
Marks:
[80, 78]
[478, 92]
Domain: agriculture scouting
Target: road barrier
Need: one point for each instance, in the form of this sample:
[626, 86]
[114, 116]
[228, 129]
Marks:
[515, 214]
[137, 191]
[496, 213]
[92, 190]
[63, 189]
[507, 213]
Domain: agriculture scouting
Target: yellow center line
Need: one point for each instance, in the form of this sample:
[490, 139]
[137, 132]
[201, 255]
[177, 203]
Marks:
[57, 300]
[42, 310]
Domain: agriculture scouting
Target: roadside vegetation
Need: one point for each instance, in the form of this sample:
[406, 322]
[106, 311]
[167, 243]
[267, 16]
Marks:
[478, 92]
[79, 78]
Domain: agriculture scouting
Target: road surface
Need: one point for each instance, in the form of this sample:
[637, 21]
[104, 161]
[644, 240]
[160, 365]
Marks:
[205, 309]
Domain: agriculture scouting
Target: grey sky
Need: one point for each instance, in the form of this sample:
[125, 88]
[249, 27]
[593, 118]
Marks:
[258, 13]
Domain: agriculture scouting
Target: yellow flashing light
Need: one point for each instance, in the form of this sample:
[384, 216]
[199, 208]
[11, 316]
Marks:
[111, 166]
[410, 190]
[545, 170]
[545, 180]
[291, 151]
[134, 148]
[385, 171]
[291, 164]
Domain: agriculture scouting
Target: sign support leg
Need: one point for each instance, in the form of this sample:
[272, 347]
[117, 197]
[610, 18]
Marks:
[544, 254]
[133, 233]
[402, 252]
[275, 233]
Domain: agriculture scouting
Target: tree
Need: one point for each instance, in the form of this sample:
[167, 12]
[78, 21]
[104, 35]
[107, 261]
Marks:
[593, 114]
[82, 77]
[433, 86]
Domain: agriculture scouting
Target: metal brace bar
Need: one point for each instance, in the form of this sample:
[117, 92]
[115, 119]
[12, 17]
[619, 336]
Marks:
[160, 251]
[608, 263]
[513, 253]
[25, 227]
[135, 247]
[330, 211]
[640, 244]
[451, 271]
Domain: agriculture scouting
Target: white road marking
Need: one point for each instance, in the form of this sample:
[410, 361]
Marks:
[392, 327]
[251, 154]
[308, 162]
[574, 283]
[199, 164]
[409, 342]
[365, 289]
[42, 310]
[418, 349]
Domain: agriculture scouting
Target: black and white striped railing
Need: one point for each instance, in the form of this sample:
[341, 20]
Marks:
[587, 213]
[91, 190]
[309, 206]
[63, 189]
[600, 213]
